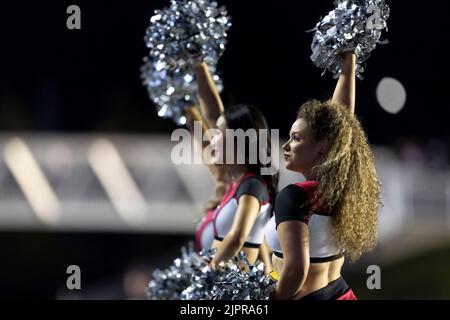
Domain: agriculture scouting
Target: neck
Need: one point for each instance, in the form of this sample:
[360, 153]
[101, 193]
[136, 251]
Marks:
[237, 171]
[307, 175]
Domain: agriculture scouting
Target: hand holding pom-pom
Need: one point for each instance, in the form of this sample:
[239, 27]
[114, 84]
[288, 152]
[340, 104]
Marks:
[181, 37]
[197, 276]
[354, 25]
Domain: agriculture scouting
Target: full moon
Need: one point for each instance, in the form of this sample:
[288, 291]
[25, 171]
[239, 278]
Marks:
[391, 95]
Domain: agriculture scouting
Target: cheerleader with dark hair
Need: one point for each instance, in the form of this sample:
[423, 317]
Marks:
[235, 222]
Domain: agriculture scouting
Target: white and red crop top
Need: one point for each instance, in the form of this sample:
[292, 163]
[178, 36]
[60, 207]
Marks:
[249, 184]
[204, 236]
[294, 204]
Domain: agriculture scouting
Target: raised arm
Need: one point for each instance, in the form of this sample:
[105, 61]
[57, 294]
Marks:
[346, 87]
[210, 102]
[193, 115]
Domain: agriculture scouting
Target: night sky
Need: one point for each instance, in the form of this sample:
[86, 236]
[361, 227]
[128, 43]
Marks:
[54, 79]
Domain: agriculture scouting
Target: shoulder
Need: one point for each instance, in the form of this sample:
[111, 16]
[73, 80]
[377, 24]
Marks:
[255, 186]
[309, 187]
[293, 204]
[292, 194]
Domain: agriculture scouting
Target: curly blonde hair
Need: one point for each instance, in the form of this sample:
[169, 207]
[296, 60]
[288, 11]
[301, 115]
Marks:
[348, 182]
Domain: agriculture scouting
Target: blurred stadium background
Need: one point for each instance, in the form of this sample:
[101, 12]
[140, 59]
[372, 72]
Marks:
[85, 172]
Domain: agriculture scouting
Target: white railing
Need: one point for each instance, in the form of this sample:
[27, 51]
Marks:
[119, 182]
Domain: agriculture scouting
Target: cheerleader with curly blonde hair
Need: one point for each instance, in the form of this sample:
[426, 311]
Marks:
[332, 214]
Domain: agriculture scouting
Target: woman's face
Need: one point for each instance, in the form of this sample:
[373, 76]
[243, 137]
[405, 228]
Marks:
[302, 152]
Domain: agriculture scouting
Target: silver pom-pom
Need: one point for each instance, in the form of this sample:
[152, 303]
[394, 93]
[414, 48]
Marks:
[170, 283]
[191, 278]
[235, 280]
[180, 37]
[354, 25]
